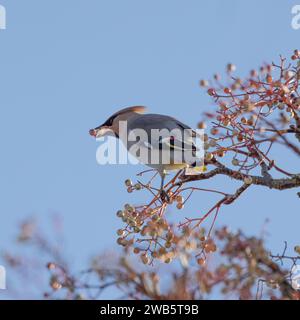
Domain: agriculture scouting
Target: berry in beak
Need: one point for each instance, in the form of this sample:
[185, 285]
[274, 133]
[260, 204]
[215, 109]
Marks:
[93, 133]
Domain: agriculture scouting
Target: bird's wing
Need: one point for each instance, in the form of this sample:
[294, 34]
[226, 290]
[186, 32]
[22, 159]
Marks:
[149, 122]
[174, 143]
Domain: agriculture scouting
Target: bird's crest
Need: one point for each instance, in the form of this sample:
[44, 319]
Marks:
[136, 109]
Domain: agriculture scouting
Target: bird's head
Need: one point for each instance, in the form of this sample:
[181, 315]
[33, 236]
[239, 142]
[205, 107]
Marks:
[111, 125]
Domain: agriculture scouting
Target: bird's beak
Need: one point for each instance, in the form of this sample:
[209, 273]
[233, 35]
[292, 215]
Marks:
[101, 131]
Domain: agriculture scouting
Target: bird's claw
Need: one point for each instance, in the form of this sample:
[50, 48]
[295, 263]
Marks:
[164, 196]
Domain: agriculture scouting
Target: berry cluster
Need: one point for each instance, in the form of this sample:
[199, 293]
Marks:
[252, 116]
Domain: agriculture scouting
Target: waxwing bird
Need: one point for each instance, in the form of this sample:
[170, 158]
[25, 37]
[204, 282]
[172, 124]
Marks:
[167, 144]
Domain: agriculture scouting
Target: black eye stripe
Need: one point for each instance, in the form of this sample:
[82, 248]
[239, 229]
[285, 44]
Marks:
[109, 121]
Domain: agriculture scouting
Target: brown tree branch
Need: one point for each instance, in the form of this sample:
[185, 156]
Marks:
[267, 181]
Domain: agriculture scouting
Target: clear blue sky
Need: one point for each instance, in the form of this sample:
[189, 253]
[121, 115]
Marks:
[65, 66]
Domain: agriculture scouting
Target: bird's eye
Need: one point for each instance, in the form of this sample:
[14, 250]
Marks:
[109, 122]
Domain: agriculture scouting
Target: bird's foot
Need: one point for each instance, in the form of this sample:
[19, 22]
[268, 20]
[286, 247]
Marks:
[164, 196]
